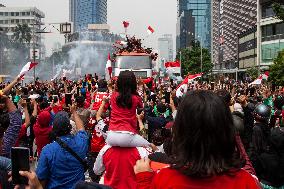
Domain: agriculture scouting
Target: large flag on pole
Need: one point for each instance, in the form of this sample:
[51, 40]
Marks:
[108, 70]
[27, 68]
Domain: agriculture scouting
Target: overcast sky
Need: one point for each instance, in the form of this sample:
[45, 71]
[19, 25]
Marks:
[160, 14]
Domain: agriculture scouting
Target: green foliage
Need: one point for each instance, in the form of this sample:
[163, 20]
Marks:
[191, 60]
[253, 72]
[22, 34]
[279, 10]
[276, 74]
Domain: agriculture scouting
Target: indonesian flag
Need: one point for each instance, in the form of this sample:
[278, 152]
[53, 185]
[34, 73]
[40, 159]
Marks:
[257, 81]
[150, 30]
[27, 68]
[108, 68]
[173, 66]
[265, 75]
[182, 88]
[195, 76]
[125, 24]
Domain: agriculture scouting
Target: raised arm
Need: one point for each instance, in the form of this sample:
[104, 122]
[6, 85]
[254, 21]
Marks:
[7, 89]
[79, 123]
[23, 103]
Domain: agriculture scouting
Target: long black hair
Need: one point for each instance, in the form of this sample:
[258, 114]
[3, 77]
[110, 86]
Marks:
[203, 136]
[126, 86]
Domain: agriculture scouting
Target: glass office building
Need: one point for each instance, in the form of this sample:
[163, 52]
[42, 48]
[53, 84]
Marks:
[201, 12]
[84, 12]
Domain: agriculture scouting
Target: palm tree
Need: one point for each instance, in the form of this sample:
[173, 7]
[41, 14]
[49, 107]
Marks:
[22, 33]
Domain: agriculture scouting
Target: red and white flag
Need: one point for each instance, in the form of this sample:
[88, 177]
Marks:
[173, 66]
[125, 24]
[257, 81]
[195, 76]
[265, 75]
[108, 68]
[27, 68]
[150, 30]
[182, 88]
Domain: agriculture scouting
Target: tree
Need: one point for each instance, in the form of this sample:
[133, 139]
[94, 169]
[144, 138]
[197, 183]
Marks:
[253, 72]
[279, 10]
[191, 59]
[22, 34]
[276, 75]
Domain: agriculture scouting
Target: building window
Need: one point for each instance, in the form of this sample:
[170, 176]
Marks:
[6, 21]
[280, 28]
[6, 14]
[23, 14]
[1, 13]
[17, 21]
[1, 21]
[17, 14]
[12, 21]
[12, 14]
[28, 13]
[267, 11]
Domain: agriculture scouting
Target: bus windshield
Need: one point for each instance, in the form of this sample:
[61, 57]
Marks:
[133, 62]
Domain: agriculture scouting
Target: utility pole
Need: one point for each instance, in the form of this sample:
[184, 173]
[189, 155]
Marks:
[34, 46]
[258, 36]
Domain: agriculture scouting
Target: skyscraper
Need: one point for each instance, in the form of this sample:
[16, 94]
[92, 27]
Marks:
[165, 46]
[196, 16]
[230, 18]
[84, 12]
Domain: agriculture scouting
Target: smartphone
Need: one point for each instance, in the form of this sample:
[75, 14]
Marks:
[20, 162]
[167, 97]
[68, 99]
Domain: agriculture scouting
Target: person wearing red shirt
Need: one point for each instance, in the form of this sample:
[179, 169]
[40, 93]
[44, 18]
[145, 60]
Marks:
[117, 165]
[100, 95]
[204, 150]
[123, 129]
[42, 129]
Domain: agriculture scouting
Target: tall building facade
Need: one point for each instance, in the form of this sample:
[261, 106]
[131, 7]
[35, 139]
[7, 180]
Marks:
[195, 17]
[165, 49]
[271, 32]
[185, 30]
[84, 12]
[10, 17]
[230, 19]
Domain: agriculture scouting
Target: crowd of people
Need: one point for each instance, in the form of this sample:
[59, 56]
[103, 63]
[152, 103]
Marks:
[135, 133]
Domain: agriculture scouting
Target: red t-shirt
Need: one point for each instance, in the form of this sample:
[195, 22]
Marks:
[123, 119]
[119, 163]
[98, 98]
[172, 179]
[97, 140]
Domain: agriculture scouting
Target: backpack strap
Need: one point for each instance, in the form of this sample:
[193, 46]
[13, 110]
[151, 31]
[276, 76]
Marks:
[74, 154]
